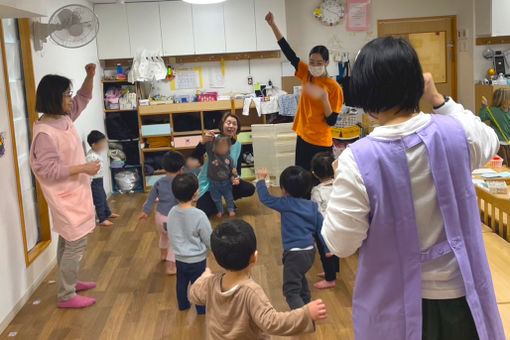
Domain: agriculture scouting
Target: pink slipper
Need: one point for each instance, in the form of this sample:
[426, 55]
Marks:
[80, 286]
[324, 284]
[77, 302]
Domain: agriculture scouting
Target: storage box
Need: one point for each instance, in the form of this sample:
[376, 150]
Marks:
[186, 141]
[244, 137]
[151, 180]
[156, 130]
[346, 133]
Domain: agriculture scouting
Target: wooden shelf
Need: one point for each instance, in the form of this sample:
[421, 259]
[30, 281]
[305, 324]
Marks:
[492, 40]
[239, 104]
[159, 172]
[115, 81]
[185, 148]
[167, 148]
[247, 143]
[188, 133]
[246, 165]
[111, 111]
[185, 107]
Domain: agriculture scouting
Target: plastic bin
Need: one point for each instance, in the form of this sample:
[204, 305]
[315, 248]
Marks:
[156, 130]
[496, 163]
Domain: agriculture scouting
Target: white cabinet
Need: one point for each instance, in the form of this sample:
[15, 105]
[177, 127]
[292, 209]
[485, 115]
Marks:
[208, 29]
[113, 35]
[265, 37]
[239, 17]
[144, 27]
[176, 28]
[492, 17]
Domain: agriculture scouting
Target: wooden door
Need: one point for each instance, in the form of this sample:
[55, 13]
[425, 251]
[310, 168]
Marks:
[435, 42]
[113, 36]
[179, 41]
[240, 33]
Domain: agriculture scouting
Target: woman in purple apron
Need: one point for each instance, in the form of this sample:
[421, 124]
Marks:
[404, 197]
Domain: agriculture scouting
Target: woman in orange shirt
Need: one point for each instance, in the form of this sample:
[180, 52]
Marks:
[319, 104]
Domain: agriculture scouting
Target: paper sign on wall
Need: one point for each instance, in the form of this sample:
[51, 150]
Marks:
[358, 15]
[187, 79]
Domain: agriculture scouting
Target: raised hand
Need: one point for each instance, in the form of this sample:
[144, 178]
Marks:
[262, 174]
[270, 18]
[430, 93]
[90, 69]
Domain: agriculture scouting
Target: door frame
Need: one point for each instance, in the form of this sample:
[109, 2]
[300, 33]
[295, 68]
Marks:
[453, 19]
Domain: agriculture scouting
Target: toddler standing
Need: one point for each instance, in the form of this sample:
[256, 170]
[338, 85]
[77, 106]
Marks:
[221, 173]
[190, 234]
[322, 169]
[500, 119]
[300, 220]
[98, 144]
[238, 307]
[173, 163]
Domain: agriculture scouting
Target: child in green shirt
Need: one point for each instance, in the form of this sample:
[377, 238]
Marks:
[500, 110]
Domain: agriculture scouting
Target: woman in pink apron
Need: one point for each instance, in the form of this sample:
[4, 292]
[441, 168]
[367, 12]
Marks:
[58, 162]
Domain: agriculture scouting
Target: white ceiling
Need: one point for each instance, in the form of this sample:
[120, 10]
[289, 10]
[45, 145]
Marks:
[113, 1]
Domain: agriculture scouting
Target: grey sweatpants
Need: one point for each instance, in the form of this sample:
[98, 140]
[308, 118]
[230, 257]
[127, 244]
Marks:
[69, 255]
[295, 285]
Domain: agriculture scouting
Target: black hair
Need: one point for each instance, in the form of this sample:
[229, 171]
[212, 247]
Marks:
[233, 243]
[227, 115]
[322, 165]
[296, 181]
[184, 187]
[173, 161]
[50, 93]
[321, 50]
[95, 136]
[387, 74]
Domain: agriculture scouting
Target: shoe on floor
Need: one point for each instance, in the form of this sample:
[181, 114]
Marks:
[81, 286]
[77, 302]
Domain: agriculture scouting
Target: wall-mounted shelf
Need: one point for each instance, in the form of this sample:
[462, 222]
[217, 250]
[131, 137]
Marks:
[111, 111]
[492, 40]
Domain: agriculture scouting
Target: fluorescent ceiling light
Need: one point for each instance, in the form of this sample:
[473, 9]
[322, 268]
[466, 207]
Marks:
[203, 2]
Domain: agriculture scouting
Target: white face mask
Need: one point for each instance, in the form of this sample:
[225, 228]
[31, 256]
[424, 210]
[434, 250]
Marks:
[317, 71]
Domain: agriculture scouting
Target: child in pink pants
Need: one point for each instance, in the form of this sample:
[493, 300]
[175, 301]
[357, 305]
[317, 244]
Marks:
[173, 163]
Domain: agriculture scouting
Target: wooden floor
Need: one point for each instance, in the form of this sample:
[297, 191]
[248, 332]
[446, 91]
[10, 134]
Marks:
[136, 300]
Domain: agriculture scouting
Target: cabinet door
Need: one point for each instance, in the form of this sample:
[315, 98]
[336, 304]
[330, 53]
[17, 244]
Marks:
[208, 29]
[113, 34]
[176, 41]
[144, 27]
[240, 33]
[500, 22]
[265, 37]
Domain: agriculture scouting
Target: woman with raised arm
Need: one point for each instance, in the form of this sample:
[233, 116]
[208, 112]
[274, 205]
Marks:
[320, 103]
[58, 162]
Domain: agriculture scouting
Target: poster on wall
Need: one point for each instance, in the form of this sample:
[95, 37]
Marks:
[358, 18]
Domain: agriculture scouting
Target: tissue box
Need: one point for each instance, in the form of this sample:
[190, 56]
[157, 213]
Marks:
[187, 141]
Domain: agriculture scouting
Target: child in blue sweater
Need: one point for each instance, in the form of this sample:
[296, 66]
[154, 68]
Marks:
[300, 220]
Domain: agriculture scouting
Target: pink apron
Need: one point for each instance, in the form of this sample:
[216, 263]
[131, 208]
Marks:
[69, 199]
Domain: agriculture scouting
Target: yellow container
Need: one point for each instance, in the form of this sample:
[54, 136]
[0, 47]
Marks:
[346, 133]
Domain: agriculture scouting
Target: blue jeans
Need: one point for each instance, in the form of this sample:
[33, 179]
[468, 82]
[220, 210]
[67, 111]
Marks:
[100, 201]
[219, 190]
[187, 273]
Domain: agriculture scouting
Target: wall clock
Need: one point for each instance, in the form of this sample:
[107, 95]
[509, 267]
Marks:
[330, 12]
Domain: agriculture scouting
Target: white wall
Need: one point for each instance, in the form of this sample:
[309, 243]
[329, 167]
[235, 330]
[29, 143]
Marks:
[18, 281]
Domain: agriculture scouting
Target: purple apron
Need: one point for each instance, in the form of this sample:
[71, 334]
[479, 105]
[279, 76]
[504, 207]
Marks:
[387, 300]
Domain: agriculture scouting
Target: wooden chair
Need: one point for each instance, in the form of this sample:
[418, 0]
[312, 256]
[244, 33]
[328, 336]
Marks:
[494, 212]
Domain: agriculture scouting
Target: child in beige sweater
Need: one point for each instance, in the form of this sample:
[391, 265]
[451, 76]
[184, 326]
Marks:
[237, 307]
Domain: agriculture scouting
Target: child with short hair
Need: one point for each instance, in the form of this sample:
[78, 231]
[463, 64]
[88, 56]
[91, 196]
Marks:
[300, 221]
[221, 173]
[500, 113]
[173, 164]
[190, 234]
[322, 170]
[404, 197]
[237, 306]
[98, 144]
